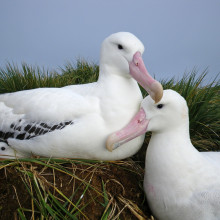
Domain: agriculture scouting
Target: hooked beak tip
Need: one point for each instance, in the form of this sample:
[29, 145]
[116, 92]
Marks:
[112, 142]
[109, 148]
[157, 93]
[158, 97]
[109, 143]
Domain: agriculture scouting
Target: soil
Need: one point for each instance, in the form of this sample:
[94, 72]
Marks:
[122, 180]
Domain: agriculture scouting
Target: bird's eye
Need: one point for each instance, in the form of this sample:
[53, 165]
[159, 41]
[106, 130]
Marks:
[120, 47]
[160, 106]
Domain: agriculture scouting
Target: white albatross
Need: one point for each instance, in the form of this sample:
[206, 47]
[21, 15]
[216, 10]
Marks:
[180, 182]
[74, 121]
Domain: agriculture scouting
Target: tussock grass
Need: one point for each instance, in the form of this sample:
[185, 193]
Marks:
[84, 189]
[13, 78]
[79, 73]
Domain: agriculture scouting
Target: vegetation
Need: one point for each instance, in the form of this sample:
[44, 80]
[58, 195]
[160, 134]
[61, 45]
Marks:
[13, 78]
[37, 188]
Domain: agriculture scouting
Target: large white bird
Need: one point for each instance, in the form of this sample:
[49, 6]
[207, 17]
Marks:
[180, 182]
[74, 121]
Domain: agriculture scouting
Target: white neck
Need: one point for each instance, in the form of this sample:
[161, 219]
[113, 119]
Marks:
[108, 69]
[171, 159]
[113, 81]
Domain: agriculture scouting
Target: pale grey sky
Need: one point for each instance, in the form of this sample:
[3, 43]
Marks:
[178, 34]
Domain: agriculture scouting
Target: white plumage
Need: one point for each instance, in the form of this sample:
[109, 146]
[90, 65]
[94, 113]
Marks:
[180, 182]
[74, 121]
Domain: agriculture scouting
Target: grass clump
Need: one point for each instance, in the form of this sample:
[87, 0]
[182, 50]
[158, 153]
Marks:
[81, 73]
[13, 78]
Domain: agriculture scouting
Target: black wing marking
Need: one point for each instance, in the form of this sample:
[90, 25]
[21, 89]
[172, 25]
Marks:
[25, 131]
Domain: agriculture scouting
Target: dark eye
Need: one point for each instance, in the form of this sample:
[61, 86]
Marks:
[120, 47]
[160, 106]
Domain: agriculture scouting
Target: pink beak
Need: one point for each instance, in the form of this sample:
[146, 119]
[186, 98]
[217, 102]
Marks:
[139, 72]
[136, 127]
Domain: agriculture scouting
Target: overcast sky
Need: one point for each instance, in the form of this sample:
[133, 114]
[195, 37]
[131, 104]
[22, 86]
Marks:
[178, 34]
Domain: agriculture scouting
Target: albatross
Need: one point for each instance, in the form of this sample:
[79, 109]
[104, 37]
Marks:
[180, 182]
[74, 121]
